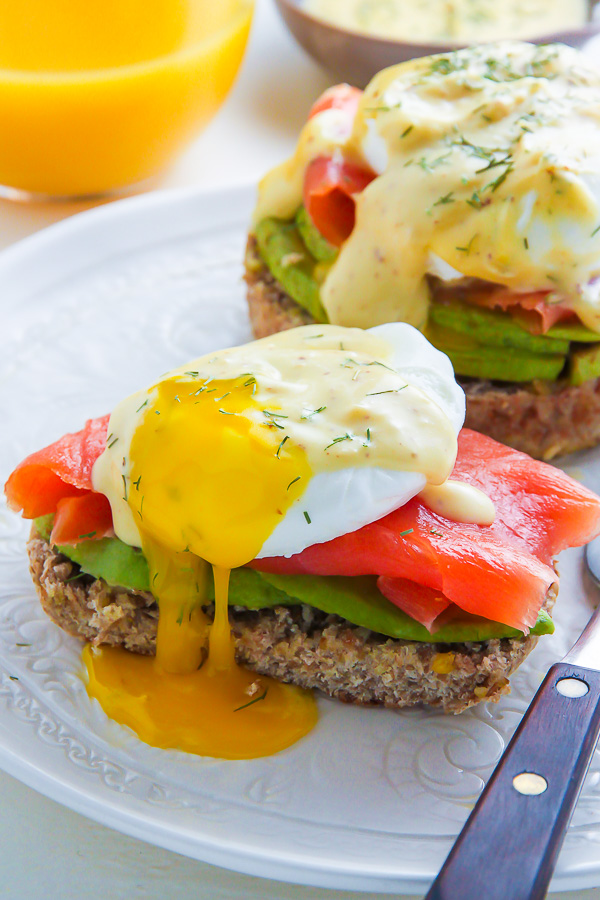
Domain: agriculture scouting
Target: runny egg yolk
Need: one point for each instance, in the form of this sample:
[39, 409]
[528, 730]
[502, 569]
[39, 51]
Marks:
[211, 476]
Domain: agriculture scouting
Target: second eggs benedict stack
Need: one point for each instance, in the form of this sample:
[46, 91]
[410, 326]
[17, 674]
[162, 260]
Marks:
[459, 193]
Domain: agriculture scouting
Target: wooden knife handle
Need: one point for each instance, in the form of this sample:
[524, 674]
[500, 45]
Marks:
[509, 845]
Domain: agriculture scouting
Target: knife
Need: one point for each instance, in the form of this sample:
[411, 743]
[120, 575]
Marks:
[509, 845]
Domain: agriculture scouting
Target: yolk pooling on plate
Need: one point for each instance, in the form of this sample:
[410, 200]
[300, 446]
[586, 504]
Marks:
[205, 467]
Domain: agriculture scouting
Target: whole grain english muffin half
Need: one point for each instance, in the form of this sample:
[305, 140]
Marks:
[295, 644]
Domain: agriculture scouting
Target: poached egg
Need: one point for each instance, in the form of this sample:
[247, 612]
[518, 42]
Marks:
[259, 450]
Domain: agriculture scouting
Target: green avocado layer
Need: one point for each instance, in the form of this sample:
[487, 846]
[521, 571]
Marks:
[356, 599]
[288, 259]
[481, 343]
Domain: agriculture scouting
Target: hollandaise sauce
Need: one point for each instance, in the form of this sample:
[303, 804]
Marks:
[486, 163]
[202, 471]
[453, 20]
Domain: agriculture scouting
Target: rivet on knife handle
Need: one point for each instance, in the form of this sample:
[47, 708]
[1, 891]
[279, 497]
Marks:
[510, 843]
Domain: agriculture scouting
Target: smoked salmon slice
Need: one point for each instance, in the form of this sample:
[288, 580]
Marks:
[500, 572]
[532, 309]
[45, 480]
[82, 518]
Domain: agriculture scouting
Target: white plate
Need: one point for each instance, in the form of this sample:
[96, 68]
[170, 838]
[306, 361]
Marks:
[92, 309]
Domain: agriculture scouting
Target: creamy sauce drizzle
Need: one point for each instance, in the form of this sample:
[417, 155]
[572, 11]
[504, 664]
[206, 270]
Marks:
[489, 167]
[468, 20]
[459, 502]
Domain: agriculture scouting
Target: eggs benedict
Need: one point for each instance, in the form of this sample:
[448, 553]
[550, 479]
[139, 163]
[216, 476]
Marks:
[302, 511]
[458, 193]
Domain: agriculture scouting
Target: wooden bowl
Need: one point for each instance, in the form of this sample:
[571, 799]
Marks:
[356, 57]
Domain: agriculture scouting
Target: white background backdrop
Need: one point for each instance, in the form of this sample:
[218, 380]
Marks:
[47, 851]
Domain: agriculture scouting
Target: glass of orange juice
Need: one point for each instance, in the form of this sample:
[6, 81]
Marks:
[96, 95]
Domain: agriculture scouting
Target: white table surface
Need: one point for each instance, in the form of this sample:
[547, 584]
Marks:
[47, 851]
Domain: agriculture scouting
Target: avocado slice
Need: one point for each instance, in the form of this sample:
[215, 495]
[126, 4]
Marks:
[576, 331]
[109, 558]
[584, 364]
[359, 600]
[354, 598]
[496, 363]
[288, 260]
[314, 241]
[493, 327]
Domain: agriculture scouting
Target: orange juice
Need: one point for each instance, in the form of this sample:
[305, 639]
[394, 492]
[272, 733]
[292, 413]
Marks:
[98, 94]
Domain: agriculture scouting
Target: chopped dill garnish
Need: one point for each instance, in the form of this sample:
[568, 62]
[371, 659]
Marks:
[112, 442]
[251, 702]
[90, 534]
[429, 164]
[596, 230]
[526, 243]
[137, 483]
[13, 677]
[312, 337]
[293, 481]
[390, 391]
[218, 399]
[447, 198]
[313, 413]
[157, 412]
[404, 533]
[494, 185]
[475, 200]
[375, 362]
[369, 434]
[250, 381]
[467, 249]
[445, 65]
[225, 413]
[273, 415]
[337, 440]
[436, 532]
[493, 163]
[22, 645]
[124, 487]
[307, 517]
[286, 438]
[407, 131]
[145, 403]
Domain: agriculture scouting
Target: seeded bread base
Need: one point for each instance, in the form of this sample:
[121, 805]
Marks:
[542, 419]
[298, 644]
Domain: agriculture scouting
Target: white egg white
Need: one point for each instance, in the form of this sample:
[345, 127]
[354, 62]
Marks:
[339, 502]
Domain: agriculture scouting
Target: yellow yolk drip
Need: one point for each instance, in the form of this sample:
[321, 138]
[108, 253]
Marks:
[232, 714]
[210, 482]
